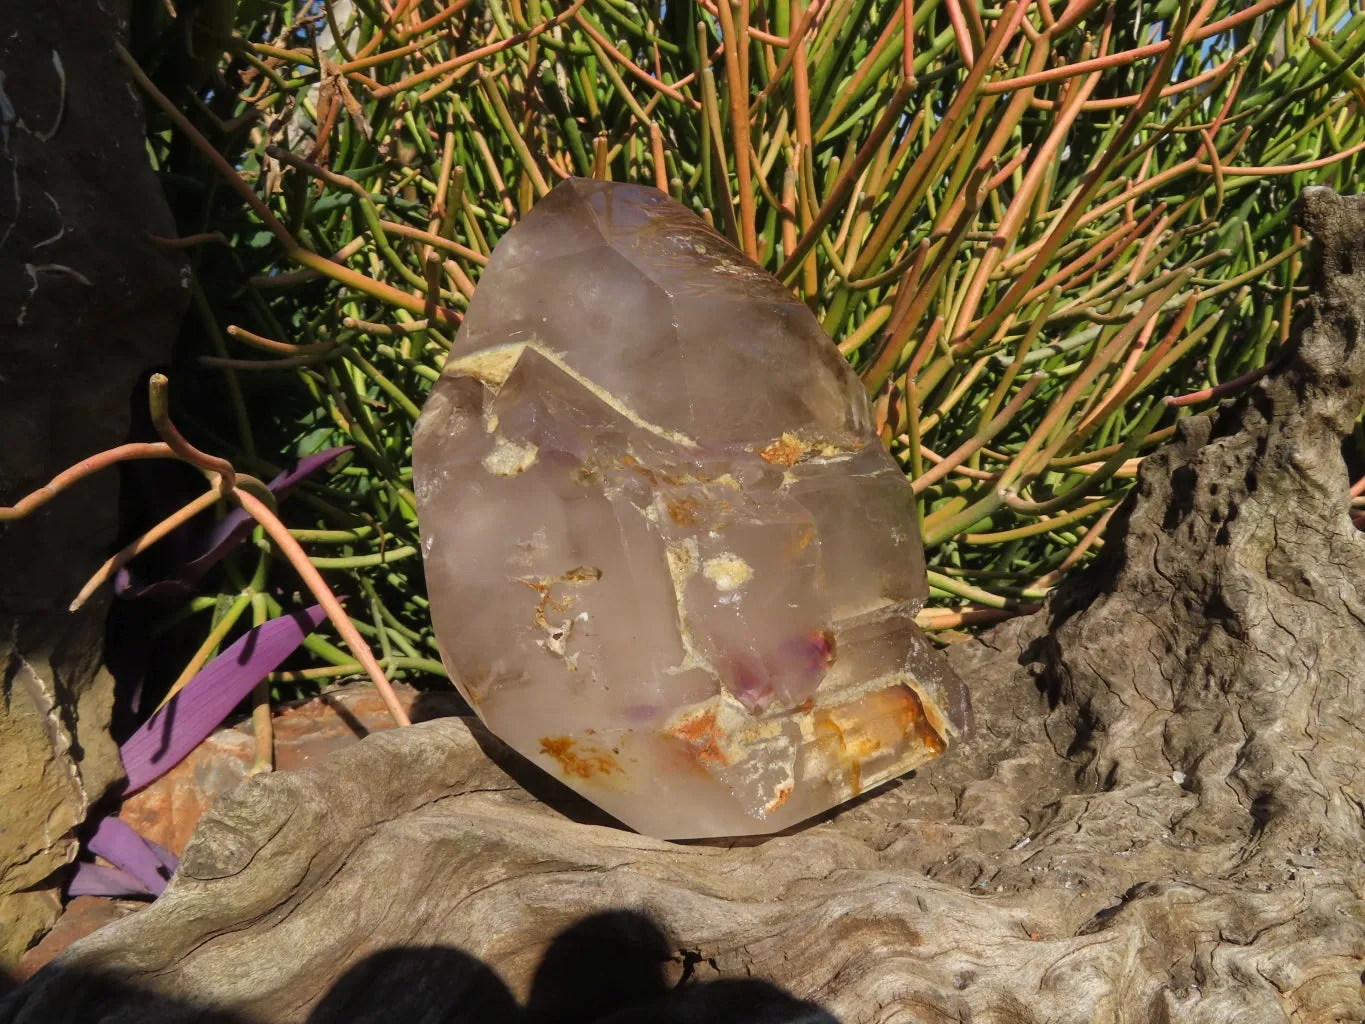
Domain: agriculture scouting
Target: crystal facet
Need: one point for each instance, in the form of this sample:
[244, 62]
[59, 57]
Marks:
[668, 559]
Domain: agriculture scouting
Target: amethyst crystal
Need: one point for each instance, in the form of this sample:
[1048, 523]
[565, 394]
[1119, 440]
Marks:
[668, 559]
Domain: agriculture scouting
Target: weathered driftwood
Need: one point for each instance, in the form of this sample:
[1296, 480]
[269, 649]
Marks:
[1160, 818]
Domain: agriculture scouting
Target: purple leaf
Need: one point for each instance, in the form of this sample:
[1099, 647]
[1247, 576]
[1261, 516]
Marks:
[127, 586]
[221, 537]
[98, 880]
[169, 861]
[233, 527]
[119, 843]
[165, 739]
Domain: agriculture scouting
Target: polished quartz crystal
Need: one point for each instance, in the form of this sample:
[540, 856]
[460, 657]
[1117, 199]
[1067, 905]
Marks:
[667, 557]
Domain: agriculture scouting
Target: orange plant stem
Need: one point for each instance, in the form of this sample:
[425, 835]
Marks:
[322, 593]
[130, 551]
[86, 467]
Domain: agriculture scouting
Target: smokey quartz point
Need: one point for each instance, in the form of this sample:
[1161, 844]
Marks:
[667, 557]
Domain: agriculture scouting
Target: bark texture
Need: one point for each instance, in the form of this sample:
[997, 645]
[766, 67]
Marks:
[87, 304]
[1159, 820]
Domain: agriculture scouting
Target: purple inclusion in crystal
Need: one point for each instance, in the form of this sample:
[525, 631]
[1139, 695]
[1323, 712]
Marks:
[801, 662]
[791, 673]
[667, 557]
[749, 681]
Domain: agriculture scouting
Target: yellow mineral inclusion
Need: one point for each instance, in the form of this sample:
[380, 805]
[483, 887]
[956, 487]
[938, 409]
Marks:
[727, 571]
[509, 459]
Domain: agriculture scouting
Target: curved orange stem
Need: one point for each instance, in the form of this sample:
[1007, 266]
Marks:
[292, 550]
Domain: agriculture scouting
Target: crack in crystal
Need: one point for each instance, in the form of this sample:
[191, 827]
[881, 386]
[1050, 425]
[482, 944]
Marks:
[492, 366]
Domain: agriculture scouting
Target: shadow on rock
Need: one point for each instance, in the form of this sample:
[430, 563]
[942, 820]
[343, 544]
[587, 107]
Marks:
[609, 968]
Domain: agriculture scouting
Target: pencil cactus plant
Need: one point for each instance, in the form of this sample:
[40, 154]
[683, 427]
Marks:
[1041, 232]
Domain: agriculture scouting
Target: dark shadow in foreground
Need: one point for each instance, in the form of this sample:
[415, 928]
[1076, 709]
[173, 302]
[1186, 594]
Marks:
[610, 968]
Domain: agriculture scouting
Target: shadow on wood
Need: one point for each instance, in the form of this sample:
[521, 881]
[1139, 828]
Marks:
[609, 968]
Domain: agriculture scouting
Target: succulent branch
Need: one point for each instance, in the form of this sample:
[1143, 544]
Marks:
[1041, 237]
